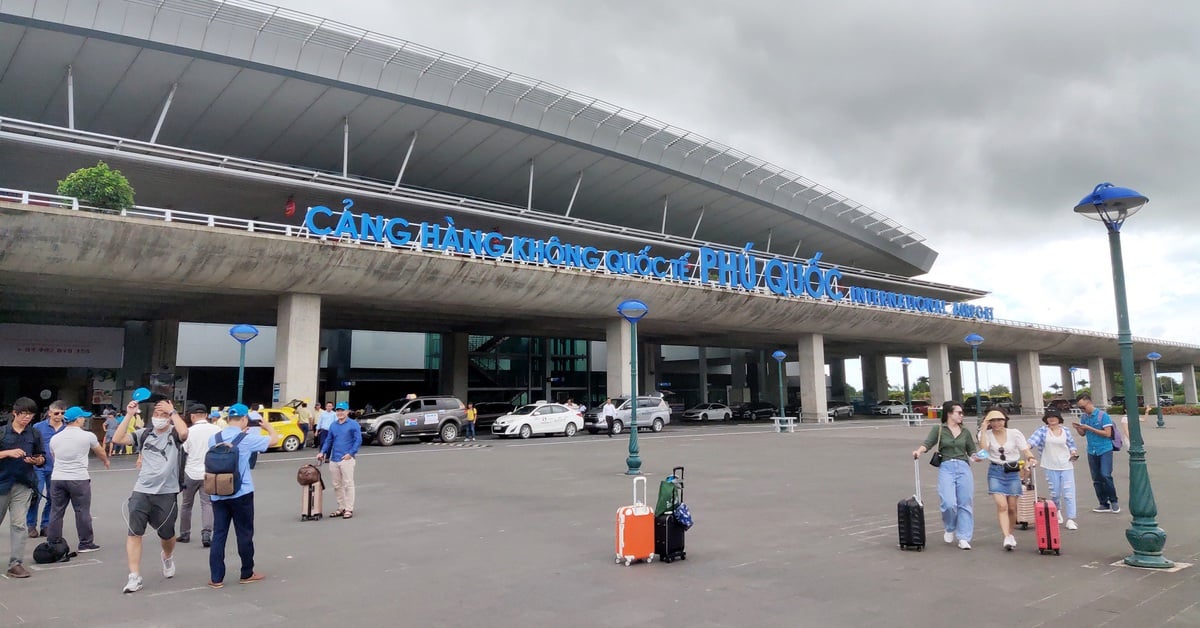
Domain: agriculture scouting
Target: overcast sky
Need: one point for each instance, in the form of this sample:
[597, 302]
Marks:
[979, 125]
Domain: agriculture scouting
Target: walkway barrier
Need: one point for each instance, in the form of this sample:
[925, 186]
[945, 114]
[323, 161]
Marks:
[784, 423]
[912, 418]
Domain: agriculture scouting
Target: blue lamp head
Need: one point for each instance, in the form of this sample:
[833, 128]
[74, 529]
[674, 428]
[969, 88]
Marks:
[973, 339]
[1154, 356]
[905, 361]
[1111, 204]
[632, 310]
[779, 355]
[1073, 369]
[243, 333]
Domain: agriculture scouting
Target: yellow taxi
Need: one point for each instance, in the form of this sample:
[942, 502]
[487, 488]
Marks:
[291, 437]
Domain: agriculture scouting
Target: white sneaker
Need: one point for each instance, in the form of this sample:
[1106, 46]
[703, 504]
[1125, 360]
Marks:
[134, 584]
[948, 537]
[1071, 525]
[963, 544]
[1010, 543]
[168, 566]
[1060, 517]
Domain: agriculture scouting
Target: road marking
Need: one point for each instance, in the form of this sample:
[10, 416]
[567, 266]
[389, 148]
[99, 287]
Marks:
[81, 563]
[200, 588]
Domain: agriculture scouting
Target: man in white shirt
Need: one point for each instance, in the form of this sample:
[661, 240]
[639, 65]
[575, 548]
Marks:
[610, 414]
[195, 447]
[70, 483]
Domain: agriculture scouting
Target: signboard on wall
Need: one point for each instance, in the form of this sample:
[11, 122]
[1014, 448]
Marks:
[61, 346]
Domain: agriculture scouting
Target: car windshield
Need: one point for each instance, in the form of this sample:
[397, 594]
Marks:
[525, 409]
[392, 406]
[621, 404]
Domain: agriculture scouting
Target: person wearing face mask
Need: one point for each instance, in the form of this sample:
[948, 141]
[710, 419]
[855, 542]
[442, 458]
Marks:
[154, 500]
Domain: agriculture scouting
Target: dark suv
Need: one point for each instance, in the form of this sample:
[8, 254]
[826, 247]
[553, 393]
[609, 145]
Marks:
[754, 410]
[425, 418]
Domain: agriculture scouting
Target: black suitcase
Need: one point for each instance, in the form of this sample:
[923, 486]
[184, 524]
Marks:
[911, 516]
[669, 533]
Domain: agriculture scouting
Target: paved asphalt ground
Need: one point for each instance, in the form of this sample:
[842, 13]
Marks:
[791, 530]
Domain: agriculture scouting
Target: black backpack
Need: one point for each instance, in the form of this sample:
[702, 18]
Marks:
[56, 551]
[222, 473]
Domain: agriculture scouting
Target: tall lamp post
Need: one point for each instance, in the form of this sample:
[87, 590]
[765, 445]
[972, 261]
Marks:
[904, 362]
[1074, 391]
[1154, 357]
[1112, 205]
[243, 334]
[632, 311]
[975, 340]
[779, 357]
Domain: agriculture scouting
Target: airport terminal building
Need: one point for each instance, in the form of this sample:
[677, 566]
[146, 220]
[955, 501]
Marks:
[396, 219]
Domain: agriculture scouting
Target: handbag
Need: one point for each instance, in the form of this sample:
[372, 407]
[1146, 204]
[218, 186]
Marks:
[1012, 467]
[936, 459]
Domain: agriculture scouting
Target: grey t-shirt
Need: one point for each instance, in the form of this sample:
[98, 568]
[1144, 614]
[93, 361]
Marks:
[159, 474]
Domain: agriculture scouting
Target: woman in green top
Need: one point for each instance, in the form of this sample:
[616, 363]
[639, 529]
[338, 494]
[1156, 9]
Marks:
[956, 486]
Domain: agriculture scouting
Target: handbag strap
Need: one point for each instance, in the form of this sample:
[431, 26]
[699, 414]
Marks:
[939, 443]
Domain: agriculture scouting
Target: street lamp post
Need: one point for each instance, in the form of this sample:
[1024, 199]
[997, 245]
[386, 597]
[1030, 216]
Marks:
[975, 340]
[1112, 205]
[1154, 357]
[779, 357]
[1074, 391]
[632, 311]
[904, 362]
[243, 334]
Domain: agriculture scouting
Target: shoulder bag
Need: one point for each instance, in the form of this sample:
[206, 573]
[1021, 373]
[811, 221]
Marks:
[936, 459]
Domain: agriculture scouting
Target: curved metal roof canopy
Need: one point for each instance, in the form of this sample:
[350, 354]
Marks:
[249, 79]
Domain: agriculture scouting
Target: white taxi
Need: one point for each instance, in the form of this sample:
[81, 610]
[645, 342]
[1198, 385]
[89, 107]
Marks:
[538, 418]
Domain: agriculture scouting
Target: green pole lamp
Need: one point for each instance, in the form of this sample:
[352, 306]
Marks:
[632, 311]
[1112, 205]
[1154, 357]
[779, 357]
[243, 334]
[904, 362]
[975, 340]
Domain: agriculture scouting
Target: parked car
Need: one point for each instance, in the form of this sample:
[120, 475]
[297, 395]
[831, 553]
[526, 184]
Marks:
[840, 409]
[1166, 400]
[486, 413]
[921, 406]
[1005, 403]
[754, 410]
[708, 412]
[1119, 400]
[1062, 405]
[291, 437]
[652, 413]
[425, 418]
[969, 404]
[889, 406]
[538, 418]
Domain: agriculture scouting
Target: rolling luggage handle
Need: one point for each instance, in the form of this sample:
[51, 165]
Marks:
[917, 476]
[642, 501]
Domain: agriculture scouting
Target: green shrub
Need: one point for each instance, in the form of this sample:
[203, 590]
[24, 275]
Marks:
[1182, 410]
[98, 186]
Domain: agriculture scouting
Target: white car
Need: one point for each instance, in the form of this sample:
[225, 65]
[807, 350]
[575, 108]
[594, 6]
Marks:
[708, 412]
[538, 418]
[653, 413]
[889, 406]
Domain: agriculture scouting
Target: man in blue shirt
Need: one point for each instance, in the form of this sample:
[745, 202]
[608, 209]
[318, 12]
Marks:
[1098, 427]
[339, 447]
[324, 420]
[21, 450]
[238, 508]
[48, 428]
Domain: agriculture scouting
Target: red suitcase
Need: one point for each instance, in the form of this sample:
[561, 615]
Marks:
[1046, 518]
[635, 528]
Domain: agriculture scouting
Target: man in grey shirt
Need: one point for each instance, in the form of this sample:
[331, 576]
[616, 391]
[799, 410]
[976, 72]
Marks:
[154, 500]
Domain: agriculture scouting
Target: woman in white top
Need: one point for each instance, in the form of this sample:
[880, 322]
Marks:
[1058, 453]
[1005, 447]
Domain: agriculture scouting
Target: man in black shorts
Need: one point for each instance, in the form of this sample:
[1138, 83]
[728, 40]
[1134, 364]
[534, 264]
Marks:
[154, 500]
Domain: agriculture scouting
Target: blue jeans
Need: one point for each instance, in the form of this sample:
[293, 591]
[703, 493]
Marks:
[470, 429]
[956, 489]
[43, 488]
[1101, 467]
[1062, 490]
[240, 512]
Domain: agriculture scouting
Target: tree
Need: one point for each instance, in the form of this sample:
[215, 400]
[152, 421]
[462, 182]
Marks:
[1056, 387]
[1082, 384]
[999, 390]
[98, 186]
[922, 385]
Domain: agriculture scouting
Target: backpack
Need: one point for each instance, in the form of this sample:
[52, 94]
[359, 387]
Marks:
[222, 474]
[141, 440]
[1117, 438]
[56, 551]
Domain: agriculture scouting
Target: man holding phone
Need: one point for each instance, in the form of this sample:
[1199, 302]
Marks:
[21, 450]
[1097, 426]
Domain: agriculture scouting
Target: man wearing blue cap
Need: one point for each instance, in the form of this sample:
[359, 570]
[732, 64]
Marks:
[339, 447]
[238, 508]
[70, 482]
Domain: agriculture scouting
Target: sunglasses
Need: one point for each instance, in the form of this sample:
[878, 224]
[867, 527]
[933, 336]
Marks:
[1002, 458]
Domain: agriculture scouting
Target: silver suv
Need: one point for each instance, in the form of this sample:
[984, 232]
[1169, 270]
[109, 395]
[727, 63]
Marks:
[652, 413]
[423, 417]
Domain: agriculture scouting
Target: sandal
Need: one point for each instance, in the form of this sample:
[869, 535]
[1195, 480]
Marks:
[349, 513]
[337, 513]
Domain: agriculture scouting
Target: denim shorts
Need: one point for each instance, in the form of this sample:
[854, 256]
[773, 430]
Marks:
[1003, 483]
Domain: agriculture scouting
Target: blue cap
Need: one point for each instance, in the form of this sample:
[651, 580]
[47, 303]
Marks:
[141, 394]
[341, 405]
[238, 409]
[215, 414]
[74, 413]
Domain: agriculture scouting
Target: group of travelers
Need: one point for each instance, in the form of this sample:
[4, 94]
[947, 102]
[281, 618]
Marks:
[1009, 455]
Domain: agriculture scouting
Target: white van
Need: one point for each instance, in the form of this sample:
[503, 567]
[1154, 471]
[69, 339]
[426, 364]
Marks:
[652, 413]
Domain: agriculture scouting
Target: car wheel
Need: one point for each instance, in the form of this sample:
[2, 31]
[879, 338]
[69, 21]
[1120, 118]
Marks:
[570, 431]
[657, 425]
[618, 427]
[449, 432]
[526, 431]
[704, 417]
[726, 417]
[387, 436]
[291, 444]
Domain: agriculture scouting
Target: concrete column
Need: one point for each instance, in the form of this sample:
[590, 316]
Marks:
[1098, 381]
[702, 372]
[455, 365]
[874, 374]
[810, 352]
[1189, 383]
[164, 338]
[770, 381]
[137, 360]
[649, 366]
[337, 362]
[940, 389]
[297, 347]
[837, 379]
[1068, 387]
[616, 337]
[737, 377]
[761, 387]
[1027, 388]
[1013, 377]
[956, 380]
[1149, 389]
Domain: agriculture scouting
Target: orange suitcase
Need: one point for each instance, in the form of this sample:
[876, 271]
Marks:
[635, 528]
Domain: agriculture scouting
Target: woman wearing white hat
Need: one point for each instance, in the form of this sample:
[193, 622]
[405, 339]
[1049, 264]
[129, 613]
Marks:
[1005, 447]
